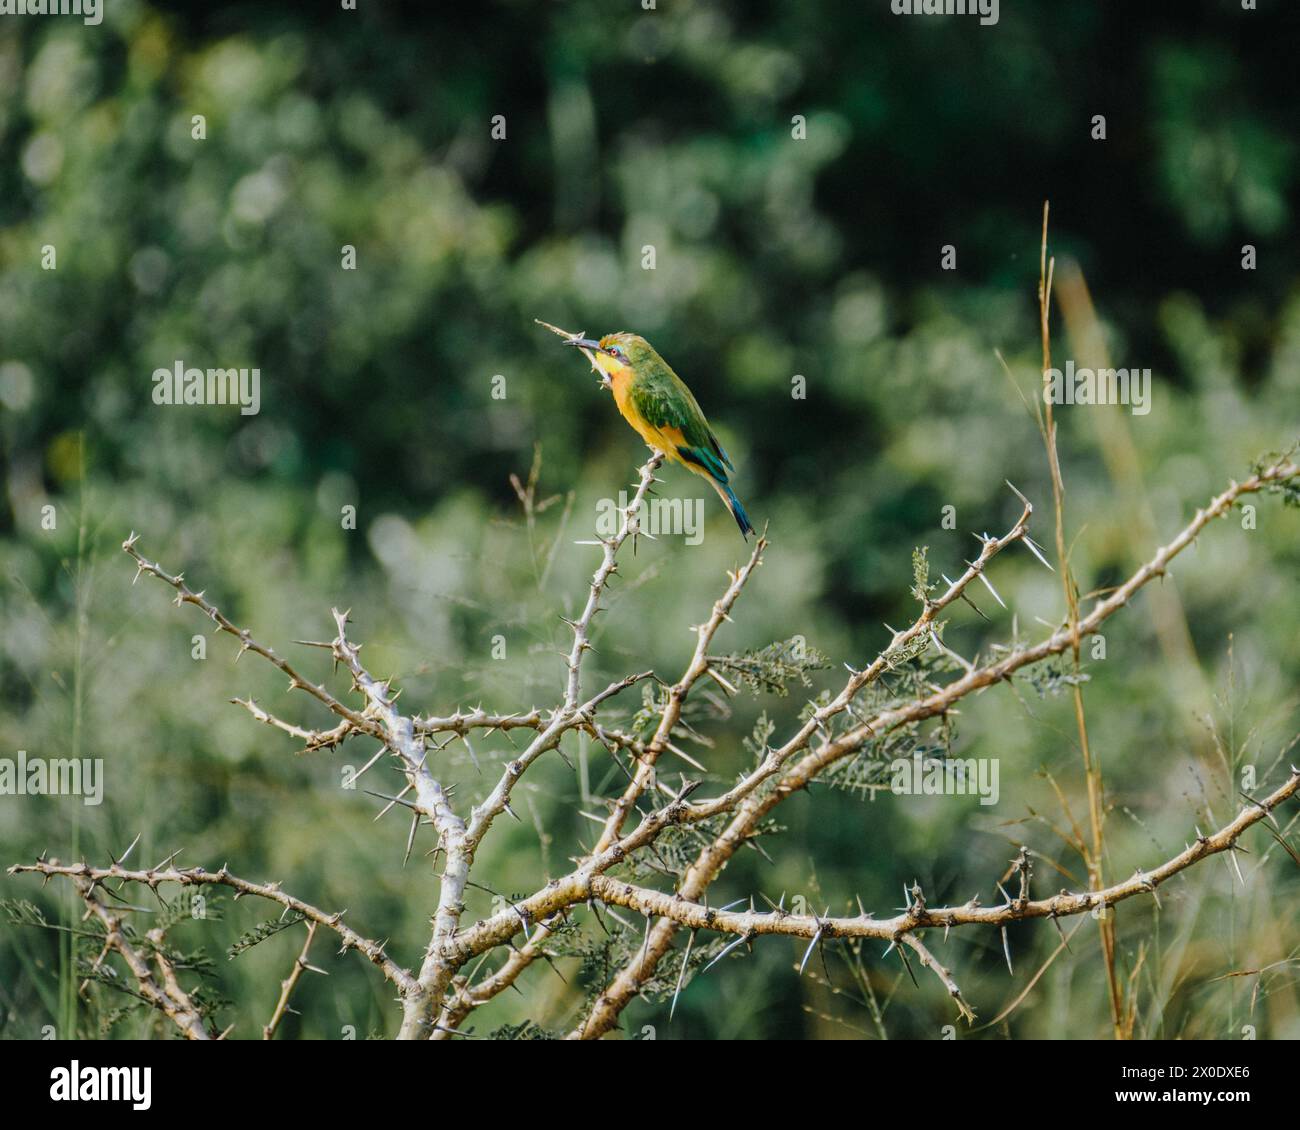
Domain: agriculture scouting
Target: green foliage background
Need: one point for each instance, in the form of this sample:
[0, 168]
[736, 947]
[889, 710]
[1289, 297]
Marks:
[774, 257]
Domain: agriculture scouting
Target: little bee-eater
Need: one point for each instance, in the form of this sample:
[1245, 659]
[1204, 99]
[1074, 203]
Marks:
[657, 403]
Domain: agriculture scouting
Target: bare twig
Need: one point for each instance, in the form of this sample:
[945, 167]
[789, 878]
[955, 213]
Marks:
[300, 966]
[184, 595]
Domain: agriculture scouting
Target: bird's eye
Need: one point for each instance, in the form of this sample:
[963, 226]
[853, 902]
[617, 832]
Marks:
[617, 351]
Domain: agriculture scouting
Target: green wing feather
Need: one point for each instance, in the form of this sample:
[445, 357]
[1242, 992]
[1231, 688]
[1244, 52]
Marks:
[662, 399]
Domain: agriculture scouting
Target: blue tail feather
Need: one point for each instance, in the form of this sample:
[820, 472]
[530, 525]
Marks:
[737, 511]
[709, 467]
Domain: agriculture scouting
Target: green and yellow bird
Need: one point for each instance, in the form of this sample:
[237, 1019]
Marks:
[657, 403]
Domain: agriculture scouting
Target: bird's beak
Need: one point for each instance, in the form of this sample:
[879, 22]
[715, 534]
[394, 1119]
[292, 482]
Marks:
[585, 343]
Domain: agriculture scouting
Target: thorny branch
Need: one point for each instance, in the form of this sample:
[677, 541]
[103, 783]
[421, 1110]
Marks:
[405, 736]
[519, 959]
[300, 966]
[918, 916]
[440, 995]
[713, 858]
[162, 990]
[751, 807]
[88, 878]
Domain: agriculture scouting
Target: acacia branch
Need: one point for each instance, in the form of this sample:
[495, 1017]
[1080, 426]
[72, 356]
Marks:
[196, 876]
[438, 991]
[710, 862]
[168, 997]
[608, 853]
[608, 566]
[460, 839]
[405, 736]
[695, 916]
[461, 723]
[564, 720]
[398, 731]
[300, 966]
[314, 739]
[470, 997]
[571, 714]
[677, 694]
[678, 811]
[185, 595]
